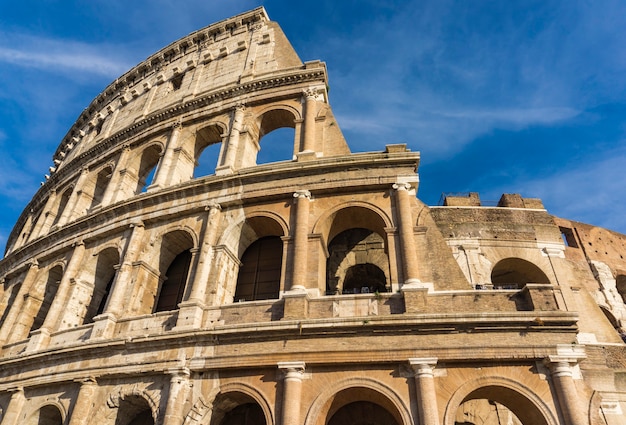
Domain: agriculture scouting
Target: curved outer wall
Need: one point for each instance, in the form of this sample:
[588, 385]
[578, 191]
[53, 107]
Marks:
[314, 290]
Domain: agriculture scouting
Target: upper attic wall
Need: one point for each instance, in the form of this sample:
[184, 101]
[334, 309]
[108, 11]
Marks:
[220, 56]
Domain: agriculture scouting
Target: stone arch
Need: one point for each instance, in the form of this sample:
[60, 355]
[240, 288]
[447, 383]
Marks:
[207, 141]
[146, 164]
[46, 291]
[356, 243]
[125, 398]
[92, 190]
[174, 265]
[61, 205]
[370, 217]
[104, 271]
[519, 399]
[51, 412]
[271, 119]
[354, 389]
[237, 394]
[516, 272]
[236, 239]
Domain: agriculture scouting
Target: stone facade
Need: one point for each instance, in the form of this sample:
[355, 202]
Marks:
[315, 290]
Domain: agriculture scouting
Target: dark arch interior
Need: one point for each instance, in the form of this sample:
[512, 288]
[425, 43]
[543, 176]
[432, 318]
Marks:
[514, 273]
[147, 166]
[362, 406]
[525, 411]
[236, 409]
[49, 415]
[134, 410]
[357, 249]
[364, 278]
[173, 287]
[259, 273]
[362, 413]
[103, 280]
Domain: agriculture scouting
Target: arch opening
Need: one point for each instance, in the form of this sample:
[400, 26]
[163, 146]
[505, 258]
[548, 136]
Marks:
[134, 410]
[49, 292]
[65, 198]
[494, 405]
[362, 406]
[147, 167]
[206, 150]
[176, 256]
[100, 186]
[236, 408]
[260, 270]
[47, 415]
[514, 273]
[357, 263]
[108, 259]
[276, 136]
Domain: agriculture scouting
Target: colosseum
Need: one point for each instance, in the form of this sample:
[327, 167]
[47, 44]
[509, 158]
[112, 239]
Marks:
[164, 274]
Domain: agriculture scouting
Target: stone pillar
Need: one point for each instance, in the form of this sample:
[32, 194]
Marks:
[163, 174]
[201, 277]
[309, 120]
[425, 390]
[300, 241]
[563, 382]
[407, 234]
[115, 305]
[292, 389]
[14, 409]
[17, 308]
[229, 161]
[82, 406]
[179, 384]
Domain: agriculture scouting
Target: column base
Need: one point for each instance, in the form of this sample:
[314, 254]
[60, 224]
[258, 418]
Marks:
[103, 326]
[190, 315]
[39, 340]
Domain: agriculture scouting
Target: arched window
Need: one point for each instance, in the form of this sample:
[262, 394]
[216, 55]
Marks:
[276, 136]
[259, 274]
[47, 415]
[237, 409]
[173, 287]
[147, 167]
[206, 150]
[175, 259]
[65, 197]
[103, 280]
[514, 273]
[356, 263]
[49, 292]
[497, 404]
[102, 181]
[134, 410]
[10, 293]
[362, 413]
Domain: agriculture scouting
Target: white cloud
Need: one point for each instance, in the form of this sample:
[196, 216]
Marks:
[59, 55]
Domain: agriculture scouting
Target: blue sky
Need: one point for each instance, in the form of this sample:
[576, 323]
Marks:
[498, 96]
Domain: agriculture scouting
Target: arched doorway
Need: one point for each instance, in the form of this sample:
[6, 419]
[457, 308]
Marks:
[259, 274]
[514, 273]
[495, 404]
[134, 410]
[236, 408]
[362, 413]
[362, 406]
[47, 415]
